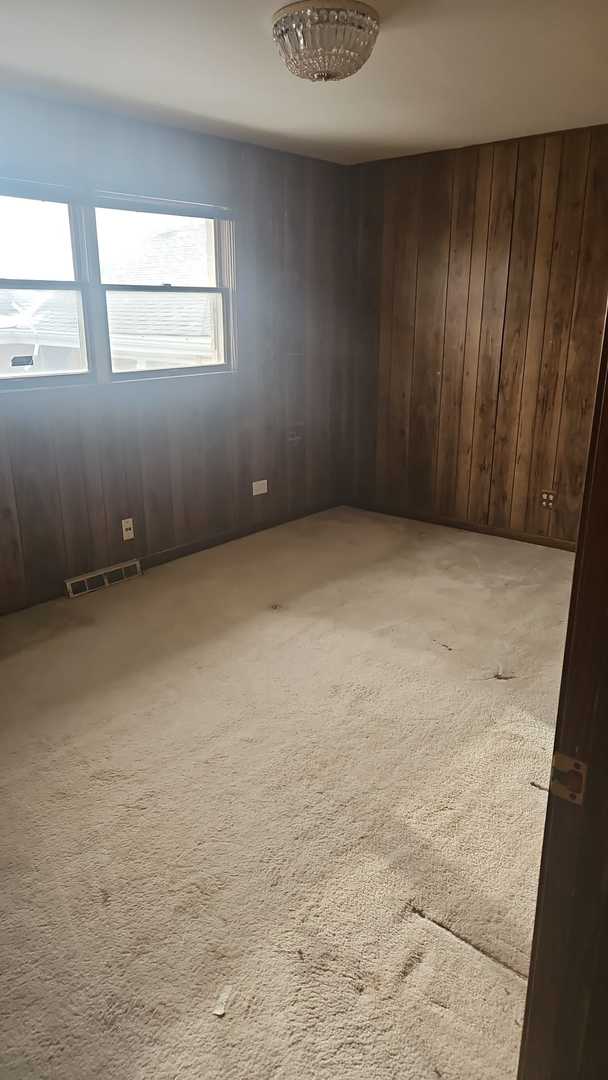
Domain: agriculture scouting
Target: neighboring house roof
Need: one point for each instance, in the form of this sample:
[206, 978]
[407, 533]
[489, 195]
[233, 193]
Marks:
[149, 326]
[180, 255]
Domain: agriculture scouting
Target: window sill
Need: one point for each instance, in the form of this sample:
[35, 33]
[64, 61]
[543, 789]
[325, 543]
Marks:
[171, 373]
[88, 381]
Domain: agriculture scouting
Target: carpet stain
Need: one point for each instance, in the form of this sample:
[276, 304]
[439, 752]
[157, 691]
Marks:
[236, 785]
[413, 961]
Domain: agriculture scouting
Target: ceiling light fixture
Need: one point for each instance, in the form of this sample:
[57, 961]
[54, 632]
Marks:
[324, 41]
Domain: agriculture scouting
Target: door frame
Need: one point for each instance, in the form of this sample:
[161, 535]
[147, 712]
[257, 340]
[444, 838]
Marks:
[565, 1035]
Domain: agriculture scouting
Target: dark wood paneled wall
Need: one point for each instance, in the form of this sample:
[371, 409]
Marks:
[420, 336]
[493, 276]
[179, 455]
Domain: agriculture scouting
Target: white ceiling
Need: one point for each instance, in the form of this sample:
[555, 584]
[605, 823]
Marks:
[444, 72]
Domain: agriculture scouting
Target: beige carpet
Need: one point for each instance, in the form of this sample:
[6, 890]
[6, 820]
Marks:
[286, 767]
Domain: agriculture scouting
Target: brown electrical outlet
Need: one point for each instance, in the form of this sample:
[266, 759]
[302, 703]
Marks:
[547, 499]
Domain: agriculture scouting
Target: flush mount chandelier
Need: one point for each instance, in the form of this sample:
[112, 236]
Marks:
[324, 42]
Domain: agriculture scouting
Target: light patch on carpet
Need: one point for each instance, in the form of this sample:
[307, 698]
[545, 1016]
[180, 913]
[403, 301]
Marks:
[284, 766]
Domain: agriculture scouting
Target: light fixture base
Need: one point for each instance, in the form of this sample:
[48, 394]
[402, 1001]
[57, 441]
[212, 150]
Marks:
[323, 41]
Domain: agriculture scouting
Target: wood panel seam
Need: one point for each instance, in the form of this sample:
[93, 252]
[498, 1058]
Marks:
[525, 353]
[445, 314]
[574, 303]
[504, 323]
[480, 329]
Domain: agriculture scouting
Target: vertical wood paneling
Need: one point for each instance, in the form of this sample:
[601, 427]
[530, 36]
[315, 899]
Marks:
[471, 351]
[365, 299]
[247, 304]
[562, 282]
[585, 344]
[34, 471]
[179, 455]
[90, 423]
[492, 323]
[262, 252]
[13, 594]
[431, 286]
[72, 487]
[386, 406]
[293, 332]
[420, 335]
[403, 338]
[486, 379]
[121, 472]
[335, 371]
[218, 460]
[341, 402]
[312, 342]
[536, 329]
[321, 317]
[523, 244]
[457, 306]
[153, 430]
[270, 404]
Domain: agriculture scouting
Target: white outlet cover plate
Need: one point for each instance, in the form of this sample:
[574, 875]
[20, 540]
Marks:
[128, 530]
[259, 487]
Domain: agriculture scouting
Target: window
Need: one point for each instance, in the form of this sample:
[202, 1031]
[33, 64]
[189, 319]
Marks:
[41, 312]
[165, 309]
[148, 292]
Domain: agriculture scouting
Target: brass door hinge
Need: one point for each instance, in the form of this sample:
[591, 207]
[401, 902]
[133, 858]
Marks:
[568, 778]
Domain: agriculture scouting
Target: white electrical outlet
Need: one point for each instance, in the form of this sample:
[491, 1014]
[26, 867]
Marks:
[259, 487]
[128, 529]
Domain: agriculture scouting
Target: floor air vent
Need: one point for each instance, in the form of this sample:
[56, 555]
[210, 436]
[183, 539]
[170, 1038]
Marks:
[100, 579]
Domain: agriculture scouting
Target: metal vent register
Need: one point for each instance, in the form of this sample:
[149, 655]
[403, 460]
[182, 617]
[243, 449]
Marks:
[100, 579]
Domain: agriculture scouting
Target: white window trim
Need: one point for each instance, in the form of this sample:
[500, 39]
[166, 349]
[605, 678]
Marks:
[87, 282]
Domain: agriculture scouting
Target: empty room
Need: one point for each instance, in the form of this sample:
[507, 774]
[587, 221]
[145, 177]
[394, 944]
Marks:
[303, 517]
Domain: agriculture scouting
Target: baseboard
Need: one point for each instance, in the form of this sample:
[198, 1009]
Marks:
[157, 558]
[487, 530]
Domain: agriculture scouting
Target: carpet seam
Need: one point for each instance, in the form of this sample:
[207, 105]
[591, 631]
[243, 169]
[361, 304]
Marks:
[471, 944]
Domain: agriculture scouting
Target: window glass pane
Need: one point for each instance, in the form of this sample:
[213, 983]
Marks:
[41, 333]
[150, 331]
[155, 249]
[35, 240]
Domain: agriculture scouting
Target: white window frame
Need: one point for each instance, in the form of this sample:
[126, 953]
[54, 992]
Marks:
[87, 283]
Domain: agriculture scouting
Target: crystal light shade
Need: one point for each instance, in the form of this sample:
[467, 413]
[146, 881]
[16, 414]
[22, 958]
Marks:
[324, 41]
